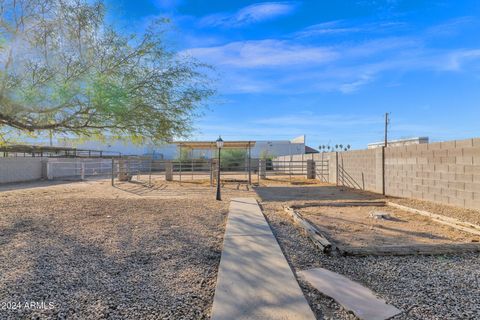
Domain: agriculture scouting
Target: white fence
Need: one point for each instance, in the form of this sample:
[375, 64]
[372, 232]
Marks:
[22, 169]
[77, 168]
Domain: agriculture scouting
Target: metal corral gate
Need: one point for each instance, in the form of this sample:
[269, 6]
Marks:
[198, 169]
[309, 168]
[285, 168]
[321, 170]
[96, 168]
[78, 168]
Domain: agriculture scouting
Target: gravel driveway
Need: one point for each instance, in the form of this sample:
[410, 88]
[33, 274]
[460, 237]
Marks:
[91, 256]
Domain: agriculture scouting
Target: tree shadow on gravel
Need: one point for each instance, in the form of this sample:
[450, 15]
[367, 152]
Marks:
[145, 278]
[30, 185]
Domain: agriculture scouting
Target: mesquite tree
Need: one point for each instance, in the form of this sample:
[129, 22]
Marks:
[64, 70]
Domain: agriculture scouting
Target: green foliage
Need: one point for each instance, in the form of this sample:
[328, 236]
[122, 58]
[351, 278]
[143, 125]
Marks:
[64, 70]
[185, 154]
[233, 158]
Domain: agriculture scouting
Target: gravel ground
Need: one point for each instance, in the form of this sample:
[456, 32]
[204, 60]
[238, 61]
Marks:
[89, 251]
[424, 287]
[130, 252]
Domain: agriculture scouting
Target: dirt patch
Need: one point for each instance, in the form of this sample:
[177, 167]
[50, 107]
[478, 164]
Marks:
[362, 226]
[308, 193]
[424, 287]
[286, 180]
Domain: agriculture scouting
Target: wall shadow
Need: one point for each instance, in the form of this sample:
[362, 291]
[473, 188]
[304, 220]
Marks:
[298, 193]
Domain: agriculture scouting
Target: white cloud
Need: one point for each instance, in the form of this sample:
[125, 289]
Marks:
[331, 27]
[284, 66]
[341, 27]
[459, 58]
[291, 65]
[251, 14]
[263, 53]
[451, 27]
[356, 84]
[331, 120]
[267, 65]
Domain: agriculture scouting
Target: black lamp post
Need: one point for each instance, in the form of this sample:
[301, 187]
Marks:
[219, 146]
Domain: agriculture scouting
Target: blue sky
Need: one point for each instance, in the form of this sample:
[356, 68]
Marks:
[328, 69]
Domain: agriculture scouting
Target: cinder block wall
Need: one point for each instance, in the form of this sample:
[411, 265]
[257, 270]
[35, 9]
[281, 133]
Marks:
[357, 169]
[444, 172]
[19, 169]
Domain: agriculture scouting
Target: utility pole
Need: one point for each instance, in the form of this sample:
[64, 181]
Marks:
[383, 152]
[386, 129]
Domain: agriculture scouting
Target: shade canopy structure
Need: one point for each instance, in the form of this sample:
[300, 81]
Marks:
[213, 145]
[310, 150]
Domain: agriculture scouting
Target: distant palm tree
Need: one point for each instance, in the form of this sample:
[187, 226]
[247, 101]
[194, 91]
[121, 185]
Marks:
[348, 146]
[336, 146]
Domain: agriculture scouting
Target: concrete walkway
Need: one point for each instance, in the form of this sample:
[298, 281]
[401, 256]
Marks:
[254, 278]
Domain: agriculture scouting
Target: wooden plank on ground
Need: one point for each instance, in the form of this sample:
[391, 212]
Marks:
[341, 204]
[454, 223]
[403, 250]
[310, 230]
[351, 295]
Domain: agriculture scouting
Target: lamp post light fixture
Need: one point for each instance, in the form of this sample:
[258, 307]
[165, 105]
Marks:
[219, 146]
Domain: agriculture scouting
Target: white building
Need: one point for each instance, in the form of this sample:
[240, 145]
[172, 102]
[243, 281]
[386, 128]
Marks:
[275, 148]
[399, 142]
[261, 148]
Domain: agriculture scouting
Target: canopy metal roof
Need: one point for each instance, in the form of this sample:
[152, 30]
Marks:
[213, 144]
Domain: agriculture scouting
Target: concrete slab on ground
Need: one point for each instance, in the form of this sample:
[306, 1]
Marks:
[351, 295]
[254, 278]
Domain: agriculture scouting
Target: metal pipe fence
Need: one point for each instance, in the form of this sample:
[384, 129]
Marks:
[77, 169]
[143, 168]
